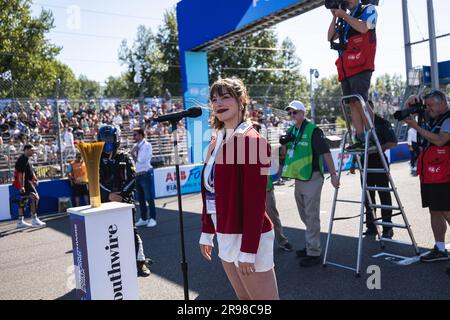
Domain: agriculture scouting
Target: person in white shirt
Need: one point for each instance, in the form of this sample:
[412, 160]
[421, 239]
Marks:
[69, 146]
[413, 149]
[117, 120]
[142, 155]
[133, 123]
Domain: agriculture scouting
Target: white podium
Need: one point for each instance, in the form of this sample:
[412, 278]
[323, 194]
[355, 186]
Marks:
[104, 252]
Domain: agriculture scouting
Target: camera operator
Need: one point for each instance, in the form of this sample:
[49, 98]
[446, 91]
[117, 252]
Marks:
[305, 149]
[388, 140]
[433, 165]
[117, 183]
[356, 62]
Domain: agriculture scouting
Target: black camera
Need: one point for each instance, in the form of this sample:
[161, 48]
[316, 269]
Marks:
[417, 108]
[342, 4]
[336, 4]
[285, 139]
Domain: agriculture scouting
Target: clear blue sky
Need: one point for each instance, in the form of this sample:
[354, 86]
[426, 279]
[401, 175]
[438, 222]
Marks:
[90, 43]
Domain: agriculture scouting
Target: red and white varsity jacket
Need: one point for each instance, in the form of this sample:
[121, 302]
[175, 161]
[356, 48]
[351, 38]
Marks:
[240, 182]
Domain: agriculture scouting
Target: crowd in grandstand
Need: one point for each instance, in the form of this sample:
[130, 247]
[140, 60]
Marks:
[34, 122]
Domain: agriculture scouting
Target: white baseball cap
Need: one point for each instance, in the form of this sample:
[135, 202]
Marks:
[296, 105]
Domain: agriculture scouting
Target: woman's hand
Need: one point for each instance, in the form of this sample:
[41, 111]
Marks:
[206, 251]
[246, 268]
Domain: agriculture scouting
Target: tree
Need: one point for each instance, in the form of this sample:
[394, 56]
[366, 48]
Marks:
[28, 54]
[167, 42]
[295, 84]
[271, 75]
[388, 86]
[70, 87]
[89, 89]
[327, 97]
[145, 58]
[117, 87]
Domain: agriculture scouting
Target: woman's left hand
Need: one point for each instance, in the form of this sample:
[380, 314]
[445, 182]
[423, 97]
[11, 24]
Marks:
[246, 268]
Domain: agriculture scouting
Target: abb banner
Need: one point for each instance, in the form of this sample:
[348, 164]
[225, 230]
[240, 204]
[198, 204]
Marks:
[166, 180]
[347, 161]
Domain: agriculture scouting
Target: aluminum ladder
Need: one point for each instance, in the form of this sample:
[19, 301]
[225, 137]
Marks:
[370, 134]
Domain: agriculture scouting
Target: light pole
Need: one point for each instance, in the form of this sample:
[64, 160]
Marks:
[312, 72]
[139, 79]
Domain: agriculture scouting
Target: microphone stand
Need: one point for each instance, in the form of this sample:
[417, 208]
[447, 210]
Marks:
[184, 265]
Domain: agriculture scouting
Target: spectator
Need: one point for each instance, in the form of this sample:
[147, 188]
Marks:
[11, 148]
[26, 181]
[118, 121]
[388, 140]
[133, 123]
[77, 173]
[167, 100]
[69, 145]
[47, 152]
[434, 167]
[142, 155]
[413, 149]
[85, 125]
[272, 211]
[304, 154]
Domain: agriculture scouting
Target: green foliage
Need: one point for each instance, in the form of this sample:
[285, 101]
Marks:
[117, 87]
[327, 97]
[272, 76]
[144, 57]
[89, 89]
[389, 85]
[29, 55]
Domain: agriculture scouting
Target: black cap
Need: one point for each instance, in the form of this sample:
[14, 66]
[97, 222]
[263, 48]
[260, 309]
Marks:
[28, 146]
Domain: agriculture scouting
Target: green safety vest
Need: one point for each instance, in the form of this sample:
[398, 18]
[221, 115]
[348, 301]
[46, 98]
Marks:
[299, 156]
[269, 183]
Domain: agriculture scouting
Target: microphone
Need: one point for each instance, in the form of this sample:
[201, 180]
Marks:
[193, 112]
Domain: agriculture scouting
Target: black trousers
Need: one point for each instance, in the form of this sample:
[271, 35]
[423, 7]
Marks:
[137, 237]
[414, 154]
[378, 180]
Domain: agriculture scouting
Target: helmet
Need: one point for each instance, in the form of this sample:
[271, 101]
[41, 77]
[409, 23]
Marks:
[110, 135]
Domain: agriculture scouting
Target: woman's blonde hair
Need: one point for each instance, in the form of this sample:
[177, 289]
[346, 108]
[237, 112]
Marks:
[236, 88]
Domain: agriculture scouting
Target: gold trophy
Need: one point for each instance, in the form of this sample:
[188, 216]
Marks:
[91, 153]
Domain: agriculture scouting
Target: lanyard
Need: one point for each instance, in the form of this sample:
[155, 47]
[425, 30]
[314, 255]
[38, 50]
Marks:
[210, 166]
[347, 25]
[296, 134]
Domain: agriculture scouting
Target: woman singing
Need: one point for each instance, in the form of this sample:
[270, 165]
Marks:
[234, 182]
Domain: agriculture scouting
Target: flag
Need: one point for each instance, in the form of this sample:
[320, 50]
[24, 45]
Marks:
[7, 76]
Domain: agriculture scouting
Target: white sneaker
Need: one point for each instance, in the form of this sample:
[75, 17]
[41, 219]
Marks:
[152, 223]
[141, 223]
[35, 222]
[23, 224]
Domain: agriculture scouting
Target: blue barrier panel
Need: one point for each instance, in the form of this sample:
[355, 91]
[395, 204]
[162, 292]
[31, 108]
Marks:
[400, 152]
[49, 192]
[444, 73]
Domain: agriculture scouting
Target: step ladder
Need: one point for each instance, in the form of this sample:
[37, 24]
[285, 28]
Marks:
[370, 134]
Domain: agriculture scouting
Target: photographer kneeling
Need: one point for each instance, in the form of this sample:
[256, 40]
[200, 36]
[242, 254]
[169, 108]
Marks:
[305, 149]
[433, 165]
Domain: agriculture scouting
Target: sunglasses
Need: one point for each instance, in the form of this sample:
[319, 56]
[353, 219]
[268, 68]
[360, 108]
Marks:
[292, 113]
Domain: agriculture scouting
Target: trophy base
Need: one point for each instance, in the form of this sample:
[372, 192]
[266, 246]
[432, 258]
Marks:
[95, 202]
